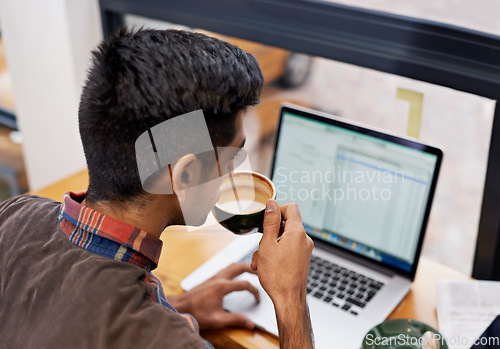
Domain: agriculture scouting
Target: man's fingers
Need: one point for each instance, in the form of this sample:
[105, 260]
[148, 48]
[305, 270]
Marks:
[227, 319]
[291, 215]
[233, 270]
[272, 221]
[241, 285]
[253, 265]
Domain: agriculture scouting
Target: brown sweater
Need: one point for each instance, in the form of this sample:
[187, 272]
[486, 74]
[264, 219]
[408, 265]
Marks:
[54, 294]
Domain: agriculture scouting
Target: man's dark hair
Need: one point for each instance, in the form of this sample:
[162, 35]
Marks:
[140, 78]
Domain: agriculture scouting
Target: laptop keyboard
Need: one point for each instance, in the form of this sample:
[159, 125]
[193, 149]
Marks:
[337, 285]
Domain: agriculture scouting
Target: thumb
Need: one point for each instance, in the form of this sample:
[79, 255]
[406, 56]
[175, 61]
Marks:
[237, 320]
[272, 220]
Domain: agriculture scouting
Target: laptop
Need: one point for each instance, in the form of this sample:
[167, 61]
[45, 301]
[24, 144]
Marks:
[365, 197]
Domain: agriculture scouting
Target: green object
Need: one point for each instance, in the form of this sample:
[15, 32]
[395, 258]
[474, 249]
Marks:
[403, 334]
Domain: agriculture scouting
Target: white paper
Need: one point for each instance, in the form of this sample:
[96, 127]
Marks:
[465, 309]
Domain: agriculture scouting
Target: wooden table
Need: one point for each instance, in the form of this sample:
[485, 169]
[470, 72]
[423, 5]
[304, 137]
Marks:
[183, 251]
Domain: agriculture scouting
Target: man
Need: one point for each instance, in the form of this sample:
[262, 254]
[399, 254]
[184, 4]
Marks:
[78, 274]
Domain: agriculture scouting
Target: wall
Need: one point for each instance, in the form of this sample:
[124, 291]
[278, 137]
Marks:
[47, 44]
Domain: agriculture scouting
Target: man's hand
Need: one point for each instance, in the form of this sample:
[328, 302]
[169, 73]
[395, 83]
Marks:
[282, 264]
[204, 301]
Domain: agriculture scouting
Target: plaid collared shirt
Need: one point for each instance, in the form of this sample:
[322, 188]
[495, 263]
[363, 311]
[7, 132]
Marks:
[116, 240]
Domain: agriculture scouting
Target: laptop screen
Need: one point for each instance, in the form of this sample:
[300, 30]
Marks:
[356, 188]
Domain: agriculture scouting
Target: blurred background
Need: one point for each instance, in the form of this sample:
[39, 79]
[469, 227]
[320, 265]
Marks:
[44, 53]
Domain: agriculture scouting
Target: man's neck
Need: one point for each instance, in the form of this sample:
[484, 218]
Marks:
[150, 217]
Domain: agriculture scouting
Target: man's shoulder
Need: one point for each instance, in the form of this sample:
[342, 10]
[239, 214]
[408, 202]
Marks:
[27, 207]
[26, 200]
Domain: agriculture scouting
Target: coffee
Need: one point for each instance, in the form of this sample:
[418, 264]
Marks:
[242, 206]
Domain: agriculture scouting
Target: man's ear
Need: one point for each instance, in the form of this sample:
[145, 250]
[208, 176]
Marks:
[185, 174]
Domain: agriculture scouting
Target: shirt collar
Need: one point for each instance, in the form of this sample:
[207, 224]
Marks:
[79, 223]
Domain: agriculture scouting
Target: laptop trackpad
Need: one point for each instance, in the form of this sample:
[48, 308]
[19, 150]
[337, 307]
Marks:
[244, 302]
